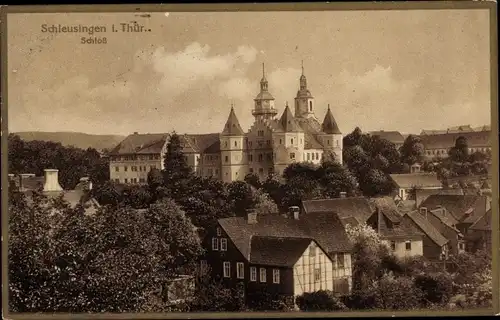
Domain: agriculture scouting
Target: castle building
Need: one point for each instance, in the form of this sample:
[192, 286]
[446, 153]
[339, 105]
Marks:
[270, 145]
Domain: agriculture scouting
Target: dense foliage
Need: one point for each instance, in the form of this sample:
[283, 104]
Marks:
[73, 163]
[117, 260]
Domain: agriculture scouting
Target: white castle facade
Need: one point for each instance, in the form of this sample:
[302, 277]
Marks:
[270, 145]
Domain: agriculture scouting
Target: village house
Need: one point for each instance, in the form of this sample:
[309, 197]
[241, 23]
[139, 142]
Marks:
[286, 255]
[454, 214]
[408, 183]
[435, 245]
[405, 240]
[479, 235]
[50, 187]
[269, 146]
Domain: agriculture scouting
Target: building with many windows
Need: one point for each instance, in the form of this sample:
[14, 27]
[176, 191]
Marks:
[269, 146]
[283, 255]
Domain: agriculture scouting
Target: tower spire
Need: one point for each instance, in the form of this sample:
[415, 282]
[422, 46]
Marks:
[263, 71]
[302, 67]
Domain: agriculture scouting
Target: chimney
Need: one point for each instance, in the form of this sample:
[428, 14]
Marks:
[294, 212]
[51, 180]
[343, 194]
[251, 216]
[423, 211]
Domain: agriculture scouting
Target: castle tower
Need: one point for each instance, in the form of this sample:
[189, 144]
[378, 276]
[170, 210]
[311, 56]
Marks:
[331, 137]
[264, 101]
[304, 101]
[232, 148]
[288, 141]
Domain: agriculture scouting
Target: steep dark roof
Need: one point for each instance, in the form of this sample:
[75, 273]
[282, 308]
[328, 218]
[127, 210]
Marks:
[153, 143]
[351, 221]
[457, 205]
[393, 136]
[310, 142]
[392, 226]
[232, 127]
[420, 180]
[329, 124]
[288, 121]
[484, 223]
[357, 207]
[447, 140]
[385, 203]
[324, 228]
[310, 125]
[426, 227]
[277, 251]
[141, 143]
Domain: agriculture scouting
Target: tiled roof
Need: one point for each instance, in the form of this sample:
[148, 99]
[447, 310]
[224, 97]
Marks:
[385, 203]
[288, 122]
[153, 143]
[232, 127]
[419, 180]
[393, 136]
[357, 207]
[392, 226]
[457, 205]
[310, 142]
[427, 228]
[329, 124]
[351, 221]
[309, 125]
[447, 140]
[277, 251]
[484, 223]
[324, 228]
[423, 194]
[141, 143]
[445, 216]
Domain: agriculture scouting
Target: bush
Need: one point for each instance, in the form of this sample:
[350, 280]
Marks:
[320, 301]
[360, 300]
[396, 293]
[435, 287]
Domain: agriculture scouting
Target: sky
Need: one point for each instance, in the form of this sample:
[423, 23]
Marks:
[378, 70]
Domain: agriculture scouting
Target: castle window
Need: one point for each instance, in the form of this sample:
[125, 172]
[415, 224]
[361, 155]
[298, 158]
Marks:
[292, 156]
[260, 157]
[268, 142]
[291, 141]
[337, 143]
[281, 141]
[317, 156]
[225, 144]
[226, 158]
[308, 157]
[269, 156]
[125, 180]
[235, 144]
[117, 168]
[251, 170]
[310, 106]
[328, 142]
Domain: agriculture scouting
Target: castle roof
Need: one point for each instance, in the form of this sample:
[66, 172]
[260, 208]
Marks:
[232, 127]
[264, 95]
[148, 143]
[288, 121]
[329, 124]
[447, 140]
[392, 136]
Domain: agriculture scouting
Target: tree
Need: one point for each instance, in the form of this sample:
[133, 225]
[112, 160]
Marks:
[368, 252]
[334, 179]
[242, 196]
[116, 260]
[396, 293]
[412, 150]
[177, 172]
[265, 205]
[436, 288]
[459, 152]
[375, 182]
[253, 180]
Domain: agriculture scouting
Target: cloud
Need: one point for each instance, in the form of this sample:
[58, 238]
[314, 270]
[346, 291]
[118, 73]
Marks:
[240, 88]
[283, 84]
[188, 68]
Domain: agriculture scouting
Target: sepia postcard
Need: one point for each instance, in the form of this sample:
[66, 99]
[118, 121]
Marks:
[244, 160]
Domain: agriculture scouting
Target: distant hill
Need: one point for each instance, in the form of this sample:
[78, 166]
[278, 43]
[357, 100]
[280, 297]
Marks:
[77, 139]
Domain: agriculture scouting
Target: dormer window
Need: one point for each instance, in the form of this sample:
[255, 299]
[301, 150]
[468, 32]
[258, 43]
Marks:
[423, 210]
